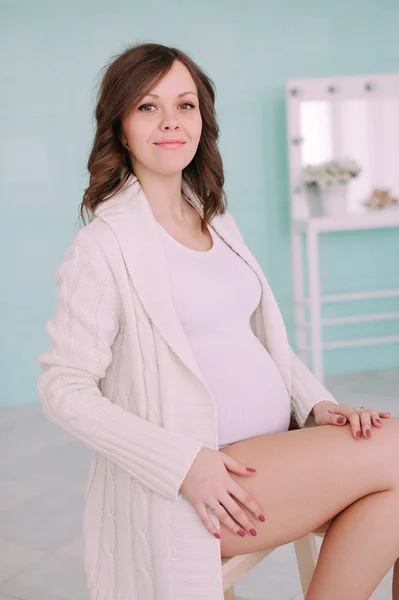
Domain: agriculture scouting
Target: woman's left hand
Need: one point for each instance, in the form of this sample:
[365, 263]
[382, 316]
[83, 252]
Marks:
[359, 419]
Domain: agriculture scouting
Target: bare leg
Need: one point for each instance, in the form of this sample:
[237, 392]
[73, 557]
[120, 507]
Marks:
[306, 477]
[366, 541]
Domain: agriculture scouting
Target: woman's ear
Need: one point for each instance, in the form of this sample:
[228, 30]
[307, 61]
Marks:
[122, 138]
[124, 142]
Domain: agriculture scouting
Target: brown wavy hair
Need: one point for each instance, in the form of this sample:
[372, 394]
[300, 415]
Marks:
[128, 78]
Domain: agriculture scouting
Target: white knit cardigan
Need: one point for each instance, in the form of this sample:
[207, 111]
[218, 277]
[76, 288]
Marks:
[121, 377]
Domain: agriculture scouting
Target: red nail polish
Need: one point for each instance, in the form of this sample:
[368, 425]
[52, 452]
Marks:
[217, 536]
[368, 433]
[251, 469]
[241, 533]
[378, 421]
[261, 518]
[358, 434]
[340, 419]
[252, 531]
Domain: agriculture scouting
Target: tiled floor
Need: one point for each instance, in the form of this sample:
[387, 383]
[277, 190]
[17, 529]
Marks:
[42, 477]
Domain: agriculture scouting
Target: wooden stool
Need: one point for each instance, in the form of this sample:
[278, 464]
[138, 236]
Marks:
[235, 567]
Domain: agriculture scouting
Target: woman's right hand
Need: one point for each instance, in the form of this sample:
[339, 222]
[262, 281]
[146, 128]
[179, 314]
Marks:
[208, 482]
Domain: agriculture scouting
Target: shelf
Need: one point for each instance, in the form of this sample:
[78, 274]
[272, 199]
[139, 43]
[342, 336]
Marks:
[388, 217]
[351, 296]
[353, 319]
[376, 341]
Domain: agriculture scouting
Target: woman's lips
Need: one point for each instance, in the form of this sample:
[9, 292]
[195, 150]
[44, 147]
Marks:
[170, 145]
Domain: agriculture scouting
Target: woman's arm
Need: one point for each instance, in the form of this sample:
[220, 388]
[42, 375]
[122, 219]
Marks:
[306, 390]
[81, 333]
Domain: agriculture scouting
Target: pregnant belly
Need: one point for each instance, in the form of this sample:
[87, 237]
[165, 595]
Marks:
[250, 394]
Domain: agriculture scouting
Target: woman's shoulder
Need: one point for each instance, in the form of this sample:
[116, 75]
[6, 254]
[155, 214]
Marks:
[91, 246]
[97, 240]
[95, 233]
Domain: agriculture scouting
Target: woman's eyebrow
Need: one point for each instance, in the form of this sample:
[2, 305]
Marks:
[179, 95]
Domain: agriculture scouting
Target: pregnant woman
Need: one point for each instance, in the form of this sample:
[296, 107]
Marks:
[169, 359]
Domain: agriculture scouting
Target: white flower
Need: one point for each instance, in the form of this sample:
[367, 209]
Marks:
[329, 173]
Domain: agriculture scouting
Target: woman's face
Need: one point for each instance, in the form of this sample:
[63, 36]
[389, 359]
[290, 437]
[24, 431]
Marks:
[173, 113]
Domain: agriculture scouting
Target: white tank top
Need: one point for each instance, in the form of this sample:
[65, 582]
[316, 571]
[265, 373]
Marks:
[215, 293]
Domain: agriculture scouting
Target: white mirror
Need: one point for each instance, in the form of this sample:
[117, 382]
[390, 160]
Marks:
[334, 126]
[362, 129]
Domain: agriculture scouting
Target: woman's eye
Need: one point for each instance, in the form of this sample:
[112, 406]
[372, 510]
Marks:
[143, 107]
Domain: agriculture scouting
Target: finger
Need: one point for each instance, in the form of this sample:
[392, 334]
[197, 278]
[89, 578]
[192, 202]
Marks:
[338, 419]
[205, 518]
[224, 517]
[385, 415]
[341, 410]
[233, 465]
[247, 500]
[365, 422]
[238, 515]
[354, 421]
[341, 414]
[375, 418]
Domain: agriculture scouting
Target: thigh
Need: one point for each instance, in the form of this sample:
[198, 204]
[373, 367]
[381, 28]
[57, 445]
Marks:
[306, 477]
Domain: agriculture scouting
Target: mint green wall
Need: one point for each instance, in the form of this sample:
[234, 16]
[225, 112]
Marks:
[51, 55]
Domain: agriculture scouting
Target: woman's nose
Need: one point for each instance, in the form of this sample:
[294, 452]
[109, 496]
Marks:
[169, 121]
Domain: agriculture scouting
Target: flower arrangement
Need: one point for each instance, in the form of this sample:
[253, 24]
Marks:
[329, 173]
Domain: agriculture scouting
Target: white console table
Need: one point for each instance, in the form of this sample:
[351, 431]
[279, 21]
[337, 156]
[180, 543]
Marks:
[312, 227]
